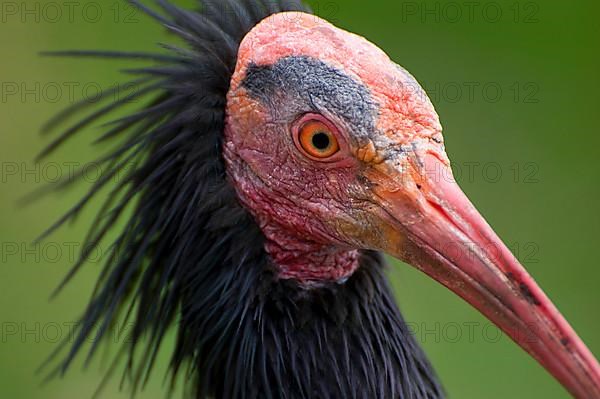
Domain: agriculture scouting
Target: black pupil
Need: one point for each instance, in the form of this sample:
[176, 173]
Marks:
[321, 141]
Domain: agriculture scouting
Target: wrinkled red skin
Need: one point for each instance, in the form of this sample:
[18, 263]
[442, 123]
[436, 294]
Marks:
[308, 211]
[301, 242]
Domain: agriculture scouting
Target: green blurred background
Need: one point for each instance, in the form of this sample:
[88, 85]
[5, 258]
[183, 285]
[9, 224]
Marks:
[516, 86]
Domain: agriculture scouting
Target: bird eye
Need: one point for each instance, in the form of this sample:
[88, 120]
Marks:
[317, 139]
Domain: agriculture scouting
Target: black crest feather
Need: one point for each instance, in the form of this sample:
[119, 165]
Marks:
[190, 257]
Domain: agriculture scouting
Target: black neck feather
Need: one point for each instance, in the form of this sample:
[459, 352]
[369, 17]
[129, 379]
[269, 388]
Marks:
[191, 257]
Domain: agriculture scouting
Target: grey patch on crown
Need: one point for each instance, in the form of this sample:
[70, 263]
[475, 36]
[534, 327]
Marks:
[304, 84]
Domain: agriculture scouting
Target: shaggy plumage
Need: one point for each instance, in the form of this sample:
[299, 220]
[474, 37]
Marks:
[192, 258]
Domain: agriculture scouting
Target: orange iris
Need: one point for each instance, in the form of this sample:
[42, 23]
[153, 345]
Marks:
[317, 139]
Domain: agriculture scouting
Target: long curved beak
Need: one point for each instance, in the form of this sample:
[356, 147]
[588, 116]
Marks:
[435, 228]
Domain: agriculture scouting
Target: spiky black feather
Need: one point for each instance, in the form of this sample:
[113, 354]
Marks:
[192, 258]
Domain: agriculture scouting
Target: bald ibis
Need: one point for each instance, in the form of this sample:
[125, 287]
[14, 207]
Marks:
[275, 157]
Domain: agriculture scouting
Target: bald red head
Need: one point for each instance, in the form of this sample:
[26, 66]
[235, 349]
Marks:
[334, 149]
[404, 108]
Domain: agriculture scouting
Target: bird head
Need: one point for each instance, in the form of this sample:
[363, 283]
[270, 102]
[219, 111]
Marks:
[334, 148]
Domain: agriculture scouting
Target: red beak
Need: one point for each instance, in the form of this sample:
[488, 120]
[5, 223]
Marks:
[442, 234]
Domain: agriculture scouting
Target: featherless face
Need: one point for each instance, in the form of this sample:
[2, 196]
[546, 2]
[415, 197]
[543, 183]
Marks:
[321, 126]
[334, 148]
